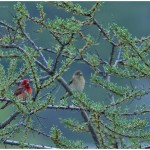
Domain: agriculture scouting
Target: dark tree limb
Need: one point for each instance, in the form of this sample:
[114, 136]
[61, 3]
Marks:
[17, 143]
[11, 118]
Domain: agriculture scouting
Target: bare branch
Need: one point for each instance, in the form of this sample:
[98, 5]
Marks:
[112, 55]
[91, 128]
[35, 46]
[2, 23]
[102, 30]
[64, 107]
[35, 130]
[10, 56]
[17, 143]
[145, 146]
[11, 118]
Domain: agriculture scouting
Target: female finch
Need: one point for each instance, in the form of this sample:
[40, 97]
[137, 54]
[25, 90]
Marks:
[77, 83]
[22, 91]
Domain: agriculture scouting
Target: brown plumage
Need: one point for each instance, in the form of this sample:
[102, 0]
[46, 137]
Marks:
[77, 83]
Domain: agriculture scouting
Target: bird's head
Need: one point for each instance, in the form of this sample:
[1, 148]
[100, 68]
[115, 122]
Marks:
[78, 74]
[25, 82]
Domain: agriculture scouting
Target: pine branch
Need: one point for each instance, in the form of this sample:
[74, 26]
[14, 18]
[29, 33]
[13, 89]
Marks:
[74, 108]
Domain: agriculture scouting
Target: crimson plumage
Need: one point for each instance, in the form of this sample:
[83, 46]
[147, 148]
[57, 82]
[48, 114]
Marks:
[22, 91]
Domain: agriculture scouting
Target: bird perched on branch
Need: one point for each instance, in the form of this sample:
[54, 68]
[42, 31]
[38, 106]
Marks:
[22, 91]
[77, 83]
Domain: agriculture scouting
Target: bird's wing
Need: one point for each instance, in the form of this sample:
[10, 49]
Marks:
[19, 90]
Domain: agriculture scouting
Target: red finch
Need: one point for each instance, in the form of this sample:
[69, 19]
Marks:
[77, 83]
[22, 91]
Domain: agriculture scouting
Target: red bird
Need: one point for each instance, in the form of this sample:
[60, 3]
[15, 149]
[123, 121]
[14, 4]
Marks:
[22, 91]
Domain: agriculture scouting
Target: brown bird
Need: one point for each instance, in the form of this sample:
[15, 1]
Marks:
[77, 83]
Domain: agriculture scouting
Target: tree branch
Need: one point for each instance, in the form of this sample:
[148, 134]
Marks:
[102, 30]
[83, 112]
[11, 118]
[17, 143]
[74, 108]
[145, 147]
[65, 85]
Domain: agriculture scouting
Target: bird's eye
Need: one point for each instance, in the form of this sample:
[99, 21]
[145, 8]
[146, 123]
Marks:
[27, 83]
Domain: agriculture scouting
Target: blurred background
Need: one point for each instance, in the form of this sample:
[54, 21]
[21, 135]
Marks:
[135, 16]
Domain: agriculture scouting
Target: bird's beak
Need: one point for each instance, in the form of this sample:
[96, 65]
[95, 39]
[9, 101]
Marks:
[81, 74]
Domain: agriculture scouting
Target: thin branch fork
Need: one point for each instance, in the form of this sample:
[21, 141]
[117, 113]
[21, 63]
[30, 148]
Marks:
[34, 45]
[95, 22]
[35, 130]
[2, 23]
